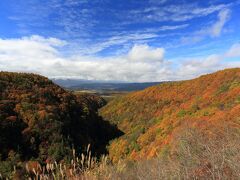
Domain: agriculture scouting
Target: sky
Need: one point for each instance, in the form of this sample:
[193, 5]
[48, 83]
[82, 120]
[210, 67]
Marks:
[119, 40]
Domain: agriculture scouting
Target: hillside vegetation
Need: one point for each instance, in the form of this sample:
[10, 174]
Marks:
[150, 118]
[42, 122]
[176, 130]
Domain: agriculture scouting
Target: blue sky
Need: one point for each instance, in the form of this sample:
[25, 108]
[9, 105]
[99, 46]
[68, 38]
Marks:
[147, 40]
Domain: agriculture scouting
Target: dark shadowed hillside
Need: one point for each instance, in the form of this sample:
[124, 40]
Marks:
[149, 118]
[41, 121]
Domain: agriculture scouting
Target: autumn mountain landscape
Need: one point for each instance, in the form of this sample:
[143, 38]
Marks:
[119, 90]
[42, 123]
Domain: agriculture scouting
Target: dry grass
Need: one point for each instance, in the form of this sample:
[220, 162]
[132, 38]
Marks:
[192, 155]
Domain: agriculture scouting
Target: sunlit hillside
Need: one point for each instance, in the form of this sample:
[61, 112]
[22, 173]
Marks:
[151, 117]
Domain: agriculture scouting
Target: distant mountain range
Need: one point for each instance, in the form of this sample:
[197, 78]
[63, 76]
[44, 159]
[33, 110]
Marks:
[74, 84]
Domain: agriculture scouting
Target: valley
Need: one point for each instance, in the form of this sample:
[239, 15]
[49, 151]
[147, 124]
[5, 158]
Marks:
[119, 90]
[151, 126]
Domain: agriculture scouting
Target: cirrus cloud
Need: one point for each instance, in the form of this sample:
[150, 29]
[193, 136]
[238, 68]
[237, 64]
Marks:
[214, 30]
[234, 51]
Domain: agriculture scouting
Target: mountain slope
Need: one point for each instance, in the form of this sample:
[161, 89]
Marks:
[40, 120]
[149, 118]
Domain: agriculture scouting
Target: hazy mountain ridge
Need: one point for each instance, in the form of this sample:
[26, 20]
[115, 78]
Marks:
[102, 85]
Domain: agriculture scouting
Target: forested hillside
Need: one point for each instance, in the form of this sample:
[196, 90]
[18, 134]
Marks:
[41, 121]
[192, 128]
[151, 118]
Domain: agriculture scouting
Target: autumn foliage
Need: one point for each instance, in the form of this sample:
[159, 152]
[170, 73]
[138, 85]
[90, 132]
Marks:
[42, 122]
[188, 129]
[149, 118]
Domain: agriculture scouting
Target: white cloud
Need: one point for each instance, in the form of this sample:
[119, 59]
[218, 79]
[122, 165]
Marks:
[125, 38]
[30, 46]
[142, 62]
[193, 67]
[178, 12]
[212, 30]
[223, 16]
[145, 53]
[234, 51]
[77, 21]
[118, 40]
[41, 55]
